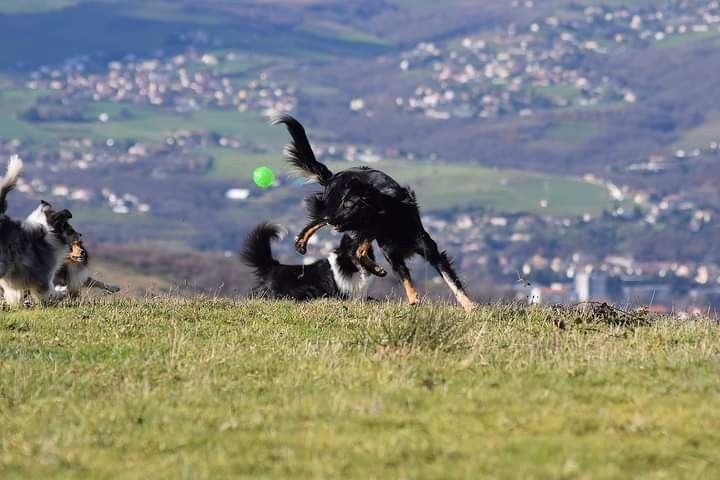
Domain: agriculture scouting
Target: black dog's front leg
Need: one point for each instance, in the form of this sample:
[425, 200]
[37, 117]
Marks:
[306, 234]
[368, 263]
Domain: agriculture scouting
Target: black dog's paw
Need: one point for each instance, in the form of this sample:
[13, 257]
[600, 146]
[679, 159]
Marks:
[379, 271]
[300, 247]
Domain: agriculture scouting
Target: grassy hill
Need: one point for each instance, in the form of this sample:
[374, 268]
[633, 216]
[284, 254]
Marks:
[65, 28]
[200, 388]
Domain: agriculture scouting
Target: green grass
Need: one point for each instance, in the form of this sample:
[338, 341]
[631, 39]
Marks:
[570, 132]
[702, 135]
[452, 185]
[128, 122]
[231, 164]
[172, 233]
[446, 186]
[559, 92]
[320, 91]
[564, 137]
[677, 41]
[12, 103]
[194, 388]
[345, 33]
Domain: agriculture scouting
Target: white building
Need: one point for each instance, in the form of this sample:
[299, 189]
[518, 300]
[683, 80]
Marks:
[591, 286]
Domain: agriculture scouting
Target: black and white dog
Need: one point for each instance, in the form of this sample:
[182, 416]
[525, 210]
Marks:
[31, 254]
[338, 276]
[74, 273]
[372, 206]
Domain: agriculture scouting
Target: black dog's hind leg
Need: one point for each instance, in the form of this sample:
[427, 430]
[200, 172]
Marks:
[427, 248]
[368, 263]
[306, 233]
[399, 266]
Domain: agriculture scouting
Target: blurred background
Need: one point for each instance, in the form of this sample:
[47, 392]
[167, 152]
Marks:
[561, 150]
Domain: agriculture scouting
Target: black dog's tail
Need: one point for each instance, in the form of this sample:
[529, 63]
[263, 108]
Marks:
[257, 252]
[10, 180]
[299, 152]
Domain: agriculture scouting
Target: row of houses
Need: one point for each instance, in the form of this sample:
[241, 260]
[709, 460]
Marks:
[547, 64]
[185, 82]
[628, 291]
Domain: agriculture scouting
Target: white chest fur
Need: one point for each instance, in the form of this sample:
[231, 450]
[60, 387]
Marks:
[354, 286]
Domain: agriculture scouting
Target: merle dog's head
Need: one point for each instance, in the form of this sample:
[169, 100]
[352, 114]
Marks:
[57, 222]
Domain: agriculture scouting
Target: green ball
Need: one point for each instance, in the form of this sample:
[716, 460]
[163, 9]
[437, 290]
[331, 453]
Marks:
[263, 177]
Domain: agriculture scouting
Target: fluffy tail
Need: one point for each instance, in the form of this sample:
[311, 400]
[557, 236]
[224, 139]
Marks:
[299, 152]
[257, 252]
[10, 180]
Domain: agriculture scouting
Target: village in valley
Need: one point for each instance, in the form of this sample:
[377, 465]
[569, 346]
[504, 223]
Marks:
[534, 253]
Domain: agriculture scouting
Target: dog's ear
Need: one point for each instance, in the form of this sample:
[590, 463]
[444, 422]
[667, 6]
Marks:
[61, 216]
[57, 219]
[315, 204]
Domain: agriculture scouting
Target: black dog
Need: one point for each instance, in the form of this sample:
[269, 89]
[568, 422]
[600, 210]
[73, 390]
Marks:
[338, 276]
[372, 206]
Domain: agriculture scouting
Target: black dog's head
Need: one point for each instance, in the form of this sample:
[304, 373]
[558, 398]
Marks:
[346, 256]
[349, 205]
[349, 245]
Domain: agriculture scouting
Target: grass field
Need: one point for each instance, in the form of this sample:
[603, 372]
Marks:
[194, 388]
[447, 186]
[703, 135]
[129, 122]
[677, 41]
[12, 103]
[442, 186]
